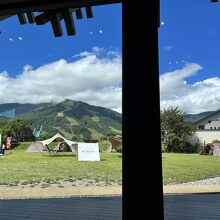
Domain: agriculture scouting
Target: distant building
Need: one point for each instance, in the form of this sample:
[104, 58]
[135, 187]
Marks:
[210, 122]
[208, 127]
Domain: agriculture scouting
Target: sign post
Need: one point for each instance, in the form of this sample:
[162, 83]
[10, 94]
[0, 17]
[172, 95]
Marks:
[88, 152]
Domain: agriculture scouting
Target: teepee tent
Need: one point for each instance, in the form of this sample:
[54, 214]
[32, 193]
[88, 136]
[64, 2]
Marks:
[36, 147]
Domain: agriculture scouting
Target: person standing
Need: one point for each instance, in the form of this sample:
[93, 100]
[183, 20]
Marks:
[3, 149]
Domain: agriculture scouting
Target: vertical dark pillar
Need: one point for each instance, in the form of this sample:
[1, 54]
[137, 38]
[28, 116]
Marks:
[142, 165]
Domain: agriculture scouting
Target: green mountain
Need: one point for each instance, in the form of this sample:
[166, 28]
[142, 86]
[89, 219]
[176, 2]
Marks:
[22, 108]
[190, 118]
[75, 120]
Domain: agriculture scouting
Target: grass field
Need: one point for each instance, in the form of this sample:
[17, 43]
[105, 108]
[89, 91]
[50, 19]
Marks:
[179, 168]
[19, 167]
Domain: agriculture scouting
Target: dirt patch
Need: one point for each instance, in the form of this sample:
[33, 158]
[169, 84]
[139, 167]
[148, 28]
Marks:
[184, 189]
[60, 188]
[54, 192]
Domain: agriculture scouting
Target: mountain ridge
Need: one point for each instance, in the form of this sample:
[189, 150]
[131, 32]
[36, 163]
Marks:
[76, 120]
[191, 118]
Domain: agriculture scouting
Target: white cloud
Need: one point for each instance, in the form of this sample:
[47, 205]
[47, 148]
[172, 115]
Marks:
[168, 47]
[98, 50]
[91, 32]
[100, 31]
[162, 23]
[91, 79]
[10, 39]
[191, 98]
[83, 54]
[19, 38]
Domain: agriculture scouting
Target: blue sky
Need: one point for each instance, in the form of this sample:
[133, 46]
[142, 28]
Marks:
[39, 46]
[37, 67]
[189, 42]
[192, 29]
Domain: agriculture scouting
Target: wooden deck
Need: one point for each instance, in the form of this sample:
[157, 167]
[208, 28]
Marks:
[99, 208]
[192, 206]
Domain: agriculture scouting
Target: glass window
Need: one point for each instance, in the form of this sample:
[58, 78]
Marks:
[201, 127]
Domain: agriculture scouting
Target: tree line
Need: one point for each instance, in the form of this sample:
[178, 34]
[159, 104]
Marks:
[18, 129]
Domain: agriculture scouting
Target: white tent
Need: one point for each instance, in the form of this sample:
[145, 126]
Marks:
[48, 141]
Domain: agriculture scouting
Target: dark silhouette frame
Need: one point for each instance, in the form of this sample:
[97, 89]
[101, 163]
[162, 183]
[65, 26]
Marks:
[142, 162]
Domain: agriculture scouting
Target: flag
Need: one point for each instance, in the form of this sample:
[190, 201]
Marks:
[38, 133]
[8, 142]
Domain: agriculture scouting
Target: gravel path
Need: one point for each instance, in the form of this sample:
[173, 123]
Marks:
[60, 189]
[62, 184]
[211, 185]
[211, 181]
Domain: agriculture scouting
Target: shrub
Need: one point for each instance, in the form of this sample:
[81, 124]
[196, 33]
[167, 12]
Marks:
[207, 149]
[215, 141]
[104, 145]
[119, 149]
[190, 148]
[104, 137]
[163, 148]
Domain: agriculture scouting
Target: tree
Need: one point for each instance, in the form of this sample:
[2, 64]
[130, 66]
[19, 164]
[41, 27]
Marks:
[174, 132]
[18, 129]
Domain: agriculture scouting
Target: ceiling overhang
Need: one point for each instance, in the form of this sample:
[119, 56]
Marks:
[53, 11]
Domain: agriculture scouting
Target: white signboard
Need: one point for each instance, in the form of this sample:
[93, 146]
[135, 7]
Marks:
[88, 152]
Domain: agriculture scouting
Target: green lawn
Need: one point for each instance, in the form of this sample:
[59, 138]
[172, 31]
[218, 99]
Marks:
[17, 166]
[179, 168]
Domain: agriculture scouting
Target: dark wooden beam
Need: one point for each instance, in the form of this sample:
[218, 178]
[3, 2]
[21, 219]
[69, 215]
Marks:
[79, 14]
[56, 24]
[42, 18]
[68, 19]
[5, 17]
[30, 16]
[22, 18]
[55, 17]
[89, 12]
[24, 6]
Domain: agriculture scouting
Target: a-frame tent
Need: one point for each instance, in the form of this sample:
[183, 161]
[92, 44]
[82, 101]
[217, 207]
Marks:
[36, 147]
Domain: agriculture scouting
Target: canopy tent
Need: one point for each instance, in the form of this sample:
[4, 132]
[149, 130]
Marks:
[48, 141]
